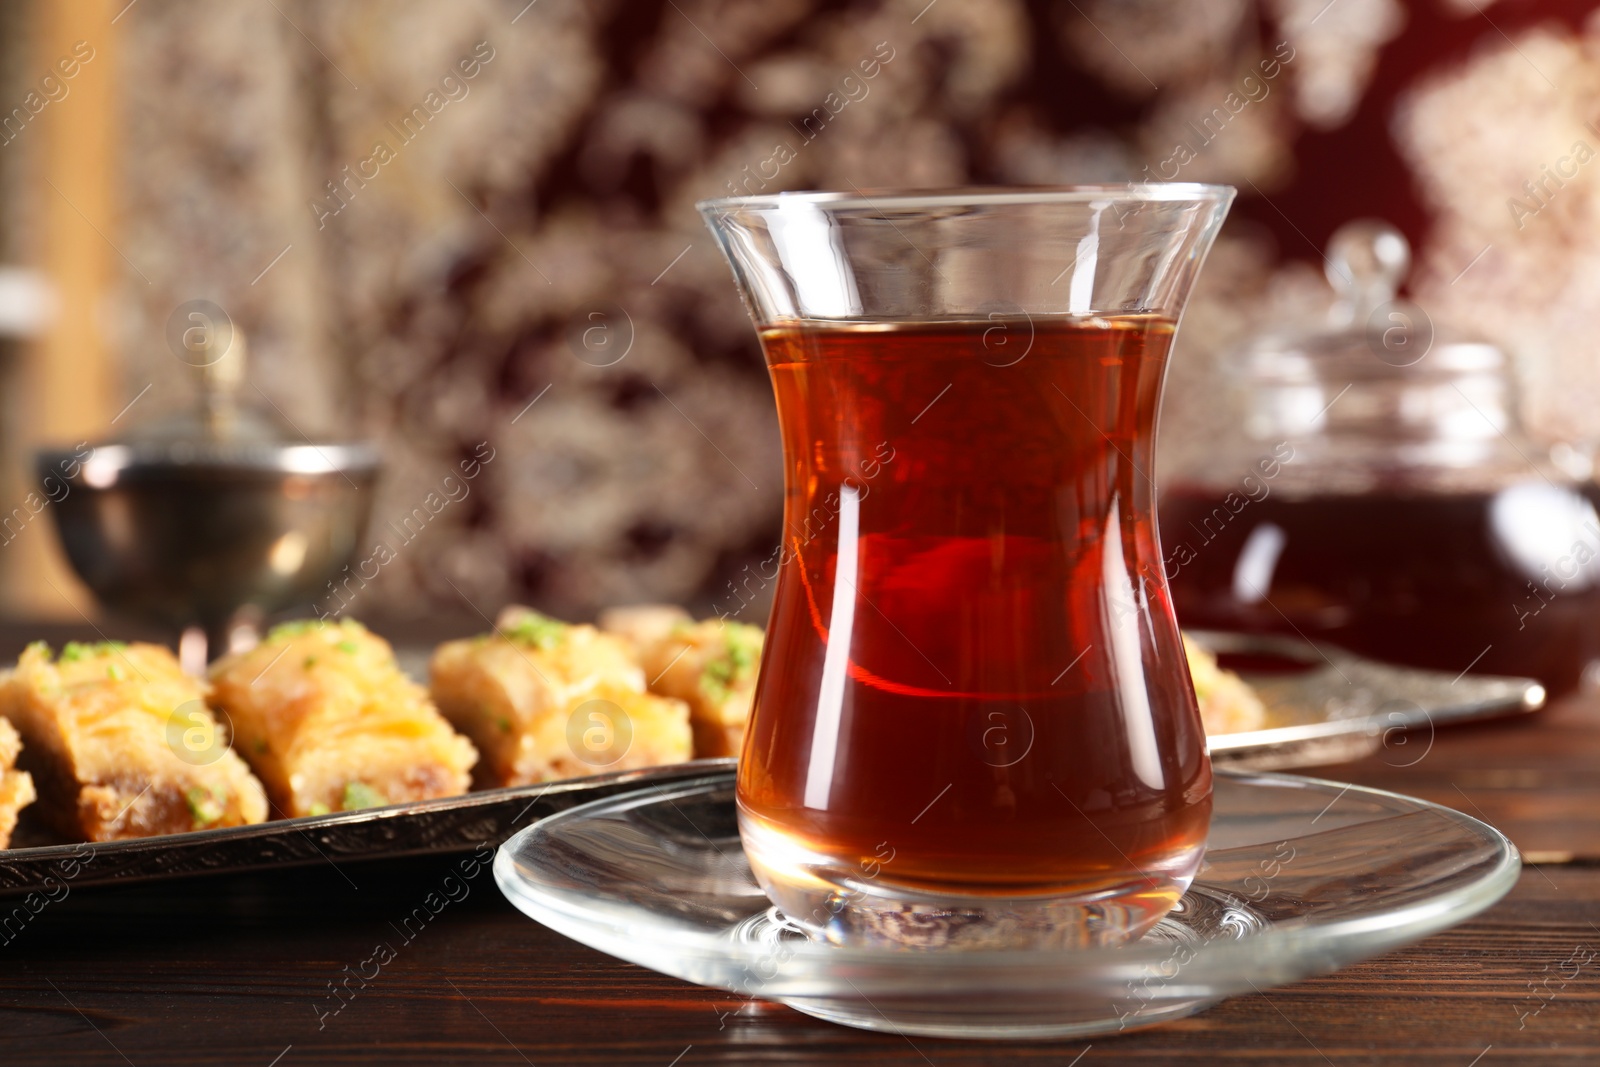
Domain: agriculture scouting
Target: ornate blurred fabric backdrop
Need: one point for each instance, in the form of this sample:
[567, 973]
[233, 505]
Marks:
[451, 225]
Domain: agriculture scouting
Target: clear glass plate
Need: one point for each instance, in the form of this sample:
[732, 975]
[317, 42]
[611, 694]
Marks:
[1301, 877]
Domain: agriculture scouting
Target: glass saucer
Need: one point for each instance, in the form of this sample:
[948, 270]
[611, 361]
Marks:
[1301, 876]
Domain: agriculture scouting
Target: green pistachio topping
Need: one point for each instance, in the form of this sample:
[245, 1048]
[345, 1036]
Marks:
[741, 653]
[358, 795]
[285, 630]
[540, 631]
[300, 627]
[205, 805]
[73, 651]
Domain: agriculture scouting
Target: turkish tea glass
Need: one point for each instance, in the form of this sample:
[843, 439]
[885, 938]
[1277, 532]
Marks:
[974, 724]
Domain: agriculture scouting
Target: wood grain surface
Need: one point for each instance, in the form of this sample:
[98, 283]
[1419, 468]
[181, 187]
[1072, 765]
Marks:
[242, 969]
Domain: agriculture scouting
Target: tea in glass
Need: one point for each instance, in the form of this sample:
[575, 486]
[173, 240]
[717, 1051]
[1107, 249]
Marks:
[974, 724]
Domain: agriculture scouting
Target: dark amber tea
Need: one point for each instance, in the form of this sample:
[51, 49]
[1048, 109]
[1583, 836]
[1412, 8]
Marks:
[960, 691]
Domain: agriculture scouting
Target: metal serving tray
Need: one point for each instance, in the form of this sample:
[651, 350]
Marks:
[1330, 707]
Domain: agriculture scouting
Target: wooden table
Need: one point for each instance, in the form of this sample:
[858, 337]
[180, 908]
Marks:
[237, 970]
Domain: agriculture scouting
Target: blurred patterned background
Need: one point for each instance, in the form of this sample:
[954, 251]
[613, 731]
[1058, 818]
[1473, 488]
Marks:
[437, 259]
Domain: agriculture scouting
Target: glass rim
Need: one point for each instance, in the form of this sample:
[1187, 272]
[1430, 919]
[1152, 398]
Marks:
[975, 196]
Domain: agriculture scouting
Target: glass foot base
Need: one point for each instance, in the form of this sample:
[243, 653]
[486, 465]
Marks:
[836, 903]
[987, 1019]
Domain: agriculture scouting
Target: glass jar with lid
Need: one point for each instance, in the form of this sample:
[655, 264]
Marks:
[1382, 495]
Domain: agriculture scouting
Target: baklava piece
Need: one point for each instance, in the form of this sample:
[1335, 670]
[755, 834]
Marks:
[544, 700]
[1227, 703]
[644, 625]
[709, 665]
[121, 744]
[16, 787]
[330, 723]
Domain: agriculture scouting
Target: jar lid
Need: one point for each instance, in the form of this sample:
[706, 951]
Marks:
[1376, 392]
[1371, 334]
[220, 435]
